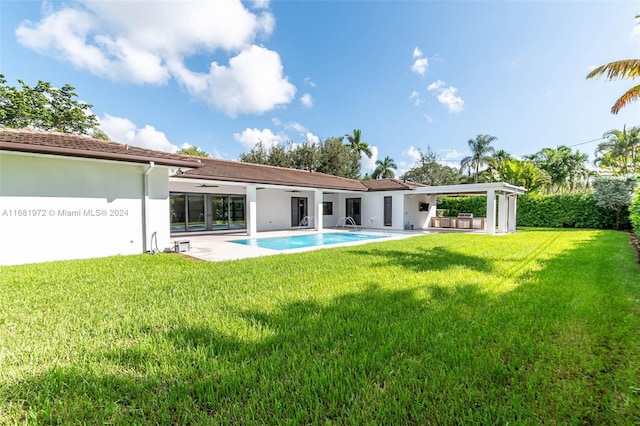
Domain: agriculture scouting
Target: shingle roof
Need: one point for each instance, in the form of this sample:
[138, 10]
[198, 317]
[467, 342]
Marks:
[390, 185]
[25, 140]
[235, 171]
[65, 144]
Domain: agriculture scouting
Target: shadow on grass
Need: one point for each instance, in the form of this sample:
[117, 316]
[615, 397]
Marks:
[560, 348]
[422, 259]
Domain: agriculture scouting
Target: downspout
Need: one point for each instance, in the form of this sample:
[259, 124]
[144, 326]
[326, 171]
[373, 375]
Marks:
[145, 206]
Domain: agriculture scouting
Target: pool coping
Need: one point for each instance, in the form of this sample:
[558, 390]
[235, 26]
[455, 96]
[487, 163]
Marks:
[218, 247]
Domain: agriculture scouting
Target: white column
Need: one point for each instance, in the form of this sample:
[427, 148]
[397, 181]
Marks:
[513, 200]
[502, 213]
[491, 211]
[252, 211]
[317, 220]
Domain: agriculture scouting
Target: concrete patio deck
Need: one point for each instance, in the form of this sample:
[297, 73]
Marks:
[218, 247]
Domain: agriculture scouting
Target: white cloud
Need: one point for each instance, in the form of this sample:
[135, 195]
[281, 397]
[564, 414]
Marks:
[415, 97]
[310, 82]
[125, 131]
[260, 4]
[420, 66]
[250, 137]
[369, 164]
[413, 153]
[311, 138]
[148, 43]
[452, 154]
[294, 125]
[436, 85]
[306, 100]
[239, 88]
[447, 96]
[428, 118]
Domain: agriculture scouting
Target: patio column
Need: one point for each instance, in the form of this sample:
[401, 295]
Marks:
[317, 220]
[491, 211]
[513, 201]
[502, 213]
[252, 210]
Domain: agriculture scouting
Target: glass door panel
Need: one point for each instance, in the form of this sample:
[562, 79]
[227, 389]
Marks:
[237, 213]
[220, 208]
[195, 213]
[177, 209]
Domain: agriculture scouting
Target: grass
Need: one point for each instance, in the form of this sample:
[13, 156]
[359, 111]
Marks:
[538, 327]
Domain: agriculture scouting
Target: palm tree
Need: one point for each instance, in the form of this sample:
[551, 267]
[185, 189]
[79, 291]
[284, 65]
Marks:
[620, 151]
[522, 173]
[618, 70]
[384, 168]
[357, 144]
[481, 153]
[565, 168]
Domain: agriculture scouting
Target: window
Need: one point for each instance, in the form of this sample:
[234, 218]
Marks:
[327, 208]
[387, 211]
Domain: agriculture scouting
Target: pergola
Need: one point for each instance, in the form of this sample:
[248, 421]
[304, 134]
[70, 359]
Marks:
[505, 194]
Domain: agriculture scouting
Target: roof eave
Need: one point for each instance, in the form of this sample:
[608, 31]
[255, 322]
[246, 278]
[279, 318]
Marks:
[71, 152]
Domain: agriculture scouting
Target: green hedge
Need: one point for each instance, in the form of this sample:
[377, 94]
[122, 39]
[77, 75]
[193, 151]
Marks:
[634, 212]
[546, 211]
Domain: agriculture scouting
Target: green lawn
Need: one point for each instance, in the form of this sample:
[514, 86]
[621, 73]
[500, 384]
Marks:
[537, 327]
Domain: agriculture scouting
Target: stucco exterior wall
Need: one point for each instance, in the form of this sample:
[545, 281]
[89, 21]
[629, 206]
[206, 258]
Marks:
[58, 208]
[413, 215]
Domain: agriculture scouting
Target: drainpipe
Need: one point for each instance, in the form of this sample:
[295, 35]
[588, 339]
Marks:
[145, 206]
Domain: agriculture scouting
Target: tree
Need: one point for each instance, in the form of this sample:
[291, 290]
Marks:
[338, 159]
[256, 155]
[99, 134]
[614, 192]
[305, 156]
[566, 169]
[429, 171]
[278, 156]
[618, 70]
[522, 173]
[481, 152]
[384, 169]
[194, 151]
[357, 144]
[45, 107]
[620, 151]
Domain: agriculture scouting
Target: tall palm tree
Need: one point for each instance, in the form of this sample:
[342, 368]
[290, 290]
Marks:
[620, 152]
[618, 70]
[384, 169]
[357, 144]
[481, 152]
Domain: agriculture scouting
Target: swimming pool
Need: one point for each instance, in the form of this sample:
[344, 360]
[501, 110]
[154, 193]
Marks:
[308, 240]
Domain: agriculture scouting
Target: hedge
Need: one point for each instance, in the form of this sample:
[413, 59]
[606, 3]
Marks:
[547, 211]
[634, 212]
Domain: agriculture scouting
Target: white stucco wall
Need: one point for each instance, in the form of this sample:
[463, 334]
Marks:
[58, 208]
[413, 215]
[274, 208]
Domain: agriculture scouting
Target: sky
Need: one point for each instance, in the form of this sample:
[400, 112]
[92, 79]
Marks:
[411, 75]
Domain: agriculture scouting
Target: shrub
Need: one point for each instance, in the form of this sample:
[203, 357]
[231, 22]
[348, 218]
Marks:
[634, 211]
[547, 211]
[614, 192]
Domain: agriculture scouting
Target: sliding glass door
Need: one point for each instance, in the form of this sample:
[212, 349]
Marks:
[206, 212]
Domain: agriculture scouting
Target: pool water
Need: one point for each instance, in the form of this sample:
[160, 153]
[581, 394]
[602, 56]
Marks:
[308, 240]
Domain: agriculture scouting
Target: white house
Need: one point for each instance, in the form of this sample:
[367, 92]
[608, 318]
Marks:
[69, 197]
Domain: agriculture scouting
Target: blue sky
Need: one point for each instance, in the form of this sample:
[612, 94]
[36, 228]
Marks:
[222, 75]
